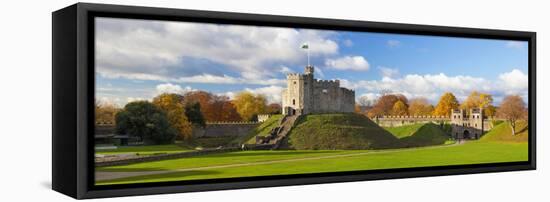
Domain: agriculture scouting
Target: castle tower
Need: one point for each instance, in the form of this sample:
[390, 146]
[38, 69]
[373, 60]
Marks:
[476, 121]
[297, 98]
[309, 69]
[457, 117]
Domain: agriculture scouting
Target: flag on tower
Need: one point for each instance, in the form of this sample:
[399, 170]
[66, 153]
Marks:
[305, 46]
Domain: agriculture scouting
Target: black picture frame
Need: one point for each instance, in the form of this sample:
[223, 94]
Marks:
[73, 98]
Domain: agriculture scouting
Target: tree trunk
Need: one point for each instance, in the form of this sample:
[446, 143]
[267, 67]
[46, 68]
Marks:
[513, 126]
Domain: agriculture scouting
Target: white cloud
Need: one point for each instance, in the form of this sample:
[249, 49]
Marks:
[319, 73]
[230, 95]
[134, 99]
[285, 70]
[393, 43]
[356, 63]
[388, 72]
[348, 43]
[163, 51]
[371, 96]
[432, 86]
[173, 88]
[225, 79]
[272, 93]
[516, 44]
[515, 82]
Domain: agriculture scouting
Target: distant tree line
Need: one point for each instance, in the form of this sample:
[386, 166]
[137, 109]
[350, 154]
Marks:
[172, 116]
[512, 108]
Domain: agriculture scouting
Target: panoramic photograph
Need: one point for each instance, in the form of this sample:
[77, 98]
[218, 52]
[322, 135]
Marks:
[181, 101]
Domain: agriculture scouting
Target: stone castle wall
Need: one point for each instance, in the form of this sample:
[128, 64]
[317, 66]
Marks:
[224, 129]
[328, 96]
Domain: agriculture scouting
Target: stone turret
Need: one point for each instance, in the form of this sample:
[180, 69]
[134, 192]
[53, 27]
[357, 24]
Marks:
[309, 69]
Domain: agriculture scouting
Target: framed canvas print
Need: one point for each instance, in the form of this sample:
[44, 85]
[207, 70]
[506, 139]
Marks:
[155, 100]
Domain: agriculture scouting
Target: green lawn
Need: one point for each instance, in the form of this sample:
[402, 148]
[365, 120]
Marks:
[502, 132]
[474, 152]
[220, 159]
[144, 150]
[404, 131]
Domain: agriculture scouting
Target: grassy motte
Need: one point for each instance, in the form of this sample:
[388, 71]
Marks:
[503, 133]
[339, 131]
[419, 135]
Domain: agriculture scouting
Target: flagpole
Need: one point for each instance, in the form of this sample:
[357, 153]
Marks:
[308, 56]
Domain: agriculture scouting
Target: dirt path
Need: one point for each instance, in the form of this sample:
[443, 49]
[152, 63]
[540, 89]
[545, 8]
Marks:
[106, 175]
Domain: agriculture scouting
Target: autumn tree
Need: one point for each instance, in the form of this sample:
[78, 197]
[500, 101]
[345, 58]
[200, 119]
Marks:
[146, 121]
[399, 109]
[249, 105]
[479, 100]
[229, 112]
[420, 107]
[357, 109]
[206, 102]
[490, 111]
[446, 103]
[385, 104]
[172, 105]
[105, 112]
[512, 109]
[274, 108]
[214, 108]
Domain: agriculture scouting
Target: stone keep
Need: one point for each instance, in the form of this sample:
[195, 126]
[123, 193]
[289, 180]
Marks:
[307, 95]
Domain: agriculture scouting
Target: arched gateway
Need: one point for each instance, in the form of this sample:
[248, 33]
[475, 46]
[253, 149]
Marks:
[467, 125]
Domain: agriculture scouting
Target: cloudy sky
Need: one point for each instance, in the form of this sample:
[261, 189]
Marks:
[139, 59]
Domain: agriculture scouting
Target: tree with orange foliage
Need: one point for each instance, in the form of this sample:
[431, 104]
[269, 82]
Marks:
[173, 106]
[446, 103]
[229, 112]
[105, 112]
[249, 105]
[274, 108]
[384, 105]
[420, 107]
[399, 109]
[205, 100]
[479, 100]
[512, 109]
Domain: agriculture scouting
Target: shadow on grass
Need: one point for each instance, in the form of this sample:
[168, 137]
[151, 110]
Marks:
[522, 129]
[126, 169]
[427, 135]
[159, 177]
[262, 153]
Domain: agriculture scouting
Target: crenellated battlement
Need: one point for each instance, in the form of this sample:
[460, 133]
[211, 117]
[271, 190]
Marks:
[294, 76]
[412, 117]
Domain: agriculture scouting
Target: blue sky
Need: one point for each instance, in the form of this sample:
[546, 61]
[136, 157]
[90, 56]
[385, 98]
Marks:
[139, 59]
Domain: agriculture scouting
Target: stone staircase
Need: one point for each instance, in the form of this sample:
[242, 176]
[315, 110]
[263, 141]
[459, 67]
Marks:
[279, 133]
